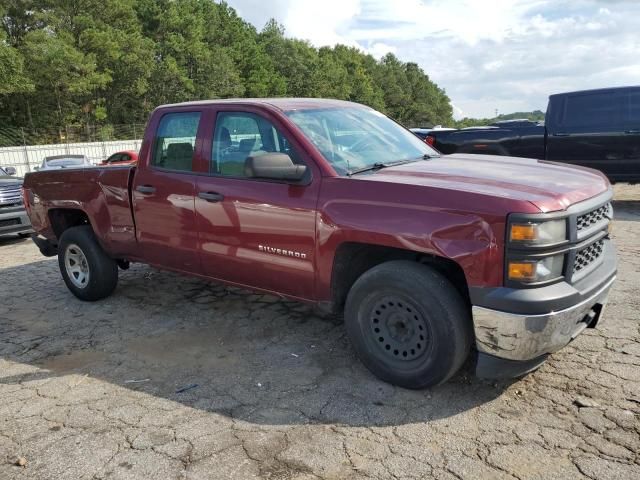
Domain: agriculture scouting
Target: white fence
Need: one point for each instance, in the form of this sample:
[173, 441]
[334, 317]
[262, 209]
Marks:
[25, 158]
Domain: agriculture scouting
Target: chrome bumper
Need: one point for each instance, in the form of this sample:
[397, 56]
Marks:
[14, 219]
[524, 337]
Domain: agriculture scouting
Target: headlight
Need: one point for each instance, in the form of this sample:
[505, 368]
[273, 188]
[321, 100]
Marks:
[534, 271]
[538, 233]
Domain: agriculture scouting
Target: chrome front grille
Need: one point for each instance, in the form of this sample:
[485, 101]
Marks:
[588, 255]
[594, 217]
[10, 195]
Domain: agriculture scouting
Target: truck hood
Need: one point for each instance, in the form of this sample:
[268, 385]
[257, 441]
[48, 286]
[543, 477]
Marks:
[547, 185]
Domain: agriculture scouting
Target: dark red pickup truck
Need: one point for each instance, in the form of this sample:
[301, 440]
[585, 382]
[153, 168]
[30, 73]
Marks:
[332, 203]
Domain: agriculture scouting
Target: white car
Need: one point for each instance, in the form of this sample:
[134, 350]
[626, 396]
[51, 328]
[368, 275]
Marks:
[56, 162]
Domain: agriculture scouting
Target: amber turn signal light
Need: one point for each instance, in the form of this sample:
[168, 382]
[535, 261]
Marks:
[523, 233]
[522, 271]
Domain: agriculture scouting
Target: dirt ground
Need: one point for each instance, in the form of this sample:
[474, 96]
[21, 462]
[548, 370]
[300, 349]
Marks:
[173, 377]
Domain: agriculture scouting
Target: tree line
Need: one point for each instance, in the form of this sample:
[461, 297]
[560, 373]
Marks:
[110, 62]
[535, 115]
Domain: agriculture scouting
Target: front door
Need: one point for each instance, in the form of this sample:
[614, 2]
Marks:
[255, 232]
[163, 195]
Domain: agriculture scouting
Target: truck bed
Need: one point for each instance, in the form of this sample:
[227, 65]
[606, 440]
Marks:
[525, 142]
[103, 193]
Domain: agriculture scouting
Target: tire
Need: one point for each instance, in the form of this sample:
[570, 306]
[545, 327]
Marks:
[408, 324]
[87, 270]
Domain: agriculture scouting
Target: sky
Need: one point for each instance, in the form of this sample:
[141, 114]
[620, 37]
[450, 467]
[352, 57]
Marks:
[505, 55]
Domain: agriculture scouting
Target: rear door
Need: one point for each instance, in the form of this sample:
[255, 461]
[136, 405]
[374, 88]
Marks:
[588, 129]
[630, 170]
[163, 193]
[258, 233]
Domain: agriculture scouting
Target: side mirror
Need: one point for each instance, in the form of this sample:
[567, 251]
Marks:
[274, 166]
[10, 170]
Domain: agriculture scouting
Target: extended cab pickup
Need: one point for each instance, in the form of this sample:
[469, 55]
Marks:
[334, 204]
[593, 128]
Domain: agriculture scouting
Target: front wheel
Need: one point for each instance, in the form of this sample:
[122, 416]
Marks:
[408, 324]
[87, 270]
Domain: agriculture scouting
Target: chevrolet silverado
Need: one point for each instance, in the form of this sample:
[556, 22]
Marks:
[428, 257]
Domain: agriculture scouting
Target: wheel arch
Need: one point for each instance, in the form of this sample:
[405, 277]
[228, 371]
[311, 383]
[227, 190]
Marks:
[61, 219]
[352, 259]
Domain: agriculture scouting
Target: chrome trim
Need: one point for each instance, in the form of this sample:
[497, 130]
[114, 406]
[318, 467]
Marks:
[23, 227]
[11, 194]
[524, 337]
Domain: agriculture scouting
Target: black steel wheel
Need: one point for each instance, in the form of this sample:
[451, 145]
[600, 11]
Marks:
[408, 324]
[400, 328]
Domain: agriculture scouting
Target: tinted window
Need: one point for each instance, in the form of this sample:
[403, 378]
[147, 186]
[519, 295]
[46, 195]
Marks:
[600, 110]
[114, 158]
[176, 140]
[238, 136]
[634, 109]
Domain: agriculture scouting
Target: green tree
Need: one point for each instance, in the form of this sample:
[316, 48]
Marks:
[70, 75]
[13, 78]
[106, 62]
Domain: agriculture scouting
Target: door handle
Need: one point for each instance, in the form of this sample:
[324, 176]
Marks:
[211, 196]
[145, 189]
[633, 132]
[561, 134]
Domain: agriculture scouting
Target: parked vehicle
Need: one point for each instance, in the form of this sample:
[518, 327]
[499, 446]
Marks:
[13, 216]
[332, 203]
[56, 162]
[592, 128]
[127, 157]
[423, 133]
[515, 122]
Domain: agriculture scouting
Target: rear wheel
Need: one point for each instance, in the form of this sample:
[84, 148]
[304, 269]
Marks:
[87, 270]
[408, 324]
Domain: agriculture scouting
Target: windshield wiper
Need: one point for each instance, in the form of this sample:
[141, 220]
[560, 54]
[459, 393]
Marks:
[369, 168]
[379, 165]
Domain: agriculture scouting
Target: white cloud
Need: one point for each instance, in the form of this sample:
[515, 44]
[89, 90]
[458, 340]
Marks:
[504, 54]
[322, 22]
[380, 49]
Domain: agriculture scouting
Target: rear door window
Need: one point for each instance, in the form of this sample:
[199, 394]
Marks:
[598, 111]
[175, 141]
[634, 110]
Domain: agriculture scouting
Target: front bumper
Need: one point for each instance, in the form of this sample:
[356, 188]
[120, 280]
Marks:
[536, 322]
[14, 219]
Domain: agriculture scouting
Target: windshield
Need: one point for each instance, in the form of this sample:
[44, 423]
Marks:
[3, 171]
[355, 138]
[64, 162]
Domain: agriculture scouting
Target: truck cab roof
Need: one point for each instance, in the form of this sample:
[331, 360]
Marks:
[283, 104]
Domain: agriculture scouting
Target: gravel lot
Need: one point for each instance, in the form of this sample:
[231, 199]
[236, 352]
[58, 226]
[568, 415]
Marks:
[176, 378]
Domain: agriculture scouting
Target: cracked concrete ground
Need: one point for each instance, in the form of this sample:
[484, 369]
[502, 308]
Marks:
[270, 389]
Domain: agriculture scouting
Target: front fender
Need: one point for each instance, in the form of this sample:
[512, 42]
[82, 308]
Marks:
[473, 241]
